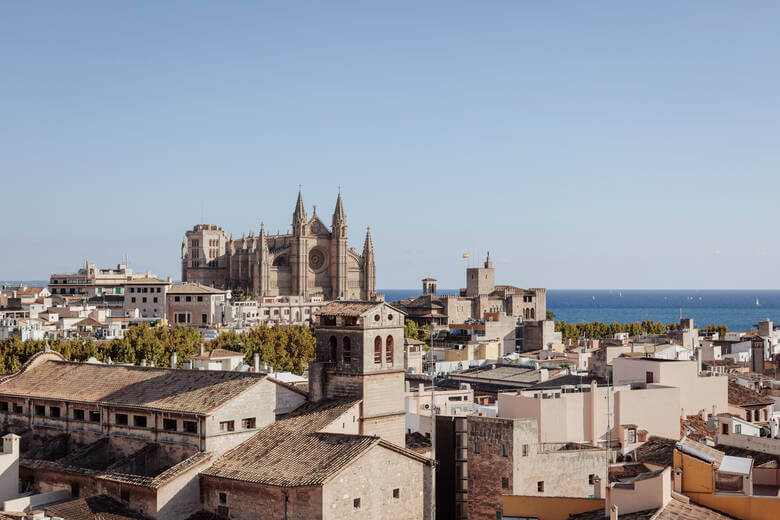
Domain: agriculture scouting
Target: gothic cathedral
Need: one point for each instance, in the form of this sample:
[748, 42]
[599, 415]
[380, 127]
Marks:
[312, 261]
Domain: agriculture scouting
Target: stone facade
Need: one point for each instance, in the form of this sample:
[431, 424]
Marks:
[311, 261]
[505, 458]
[362, 356]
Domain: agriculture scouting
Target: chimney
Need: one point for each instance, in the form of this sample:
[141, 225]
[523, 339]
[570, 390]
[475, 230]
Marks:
[151, 363]
[256, 359]
[11, 444]
[597, 487]
[613, 512]
[186, 365]
[143, 362]
[408, 386]
[174, 363]
[201, 349]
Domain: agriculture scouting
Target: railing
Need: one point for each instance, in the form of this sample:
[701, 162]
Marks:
[550, 447]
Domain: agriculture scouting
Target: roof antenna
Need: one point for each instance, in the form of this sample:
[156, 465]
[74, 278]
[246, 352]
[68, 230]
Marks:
[47, 347]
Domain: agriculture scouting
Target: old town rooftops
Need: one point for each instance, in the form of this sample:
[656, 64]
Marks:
[351, 308]
[48, 376]
[295, 452]
[194, 288]
[218, 353]
[742, 396]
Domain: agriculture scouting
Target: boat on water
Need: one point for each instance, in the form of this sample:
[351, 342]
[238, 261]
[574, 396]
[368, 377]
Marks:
[757, 304]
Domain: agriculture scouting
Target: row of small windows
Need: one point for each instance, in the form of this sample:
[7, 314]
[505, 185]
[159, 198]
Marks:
[145, 289]
[143, 299]
[186, 298]
[93, 416]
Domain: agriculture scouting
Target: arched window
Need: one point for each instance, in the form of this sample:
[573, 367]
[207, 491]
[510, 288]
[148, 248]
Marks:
[332, 347]
[533, 314]
[378, 350]
[346, 350]
[389, 350]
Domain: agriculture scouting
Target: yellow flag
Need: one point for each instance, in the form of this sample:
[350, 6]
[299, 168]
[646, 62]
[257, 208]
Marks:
[465, 255]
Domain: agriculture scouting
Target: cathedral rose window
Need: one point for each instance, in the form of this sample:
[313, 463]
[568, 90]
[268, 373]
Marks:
[316, 259]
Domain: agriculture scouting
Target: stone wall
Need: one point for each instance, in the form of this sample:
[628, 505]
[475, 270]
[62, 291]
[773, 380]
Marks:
[372, 478]
[246, 501]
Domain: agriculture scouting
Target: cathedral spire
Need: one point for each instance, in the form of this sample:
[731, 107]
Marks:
[299, 216]
[339, 219]
[368, 245]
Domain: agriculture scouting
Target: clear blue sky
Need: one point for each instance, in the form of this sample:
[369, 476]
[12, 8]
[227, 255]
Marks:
[585, 144]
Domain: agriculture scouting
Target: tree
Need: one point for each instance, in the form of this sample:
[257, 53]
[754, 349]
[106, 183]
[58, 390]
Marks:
[414, 331]
[549, 315]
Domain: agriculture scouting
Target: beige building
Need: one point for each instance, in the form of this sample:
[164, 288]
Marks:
[147, 295]
[218, 359]
[91, 281]
[196, 305]
[340, 455]
[504, 457]
[311, 261]
[698, 393]
[138, 434]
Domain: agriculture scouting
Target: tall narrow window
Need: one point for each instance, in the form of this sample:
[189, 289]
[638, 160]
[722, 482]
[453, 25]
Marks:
[378, 350]
[346, 350]
[332, 348]
[389, 350]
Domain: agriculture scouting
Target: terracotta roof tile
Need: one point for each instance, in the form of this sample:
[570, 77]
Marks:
[196, 391]
[292, 451]
[218, 353]
[194, 288]
[99, 507]
[656, 450]
[742, 396]
[347, 308]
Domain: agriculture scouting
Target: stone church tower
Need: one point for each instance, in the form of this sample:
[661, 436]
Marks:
[312, 261]
[360, 354]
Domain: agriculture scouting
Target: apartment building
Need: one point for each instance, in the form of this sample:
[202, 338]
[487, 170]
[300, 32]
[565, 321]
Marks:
[196, 305]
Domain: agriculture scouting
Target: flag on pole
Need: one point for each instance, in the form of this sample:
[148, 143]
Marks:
[465, 255]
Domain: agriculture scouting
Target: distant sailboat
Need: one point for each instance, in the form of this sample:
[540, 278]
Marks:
[757, 304]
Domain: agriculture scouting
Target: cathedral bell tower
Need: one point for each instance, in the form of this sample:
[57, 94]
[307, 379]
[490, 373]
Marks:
[338, 269]
[360, 355]
[300, 249]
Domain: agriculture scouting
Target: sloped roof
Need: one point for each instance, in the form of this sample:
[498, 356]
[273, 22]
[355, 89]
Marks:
[742, 396]
[291, 451]
[196, 391]
[98, 507]
[656, 450]
[674, 510]
[347, 308]
[218, 353]
[702, 451]
[294, 452]
[144, 280]
[194, 288]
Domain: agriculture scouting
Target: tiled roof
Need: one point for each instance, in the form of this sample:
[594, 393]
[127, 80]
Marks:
[674, 510]
[625, 471]
[347, 308]
[218, 353]
[193, 288]
[695, 427]
[760, 459]
[743, 396]
[292, 451]
[656, 450]
[99, 507]
[196, 391]
[707, 451]
[677, 510]
[152, 280]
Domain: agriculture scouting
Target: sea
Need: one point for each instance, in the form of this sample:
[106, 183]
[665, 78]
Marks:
[739, 310]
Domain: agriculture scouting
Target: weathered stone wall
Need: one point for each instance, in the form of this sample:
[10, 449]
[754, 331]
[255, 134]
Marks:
[372, 479]
[246, 501]
[491, 442]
